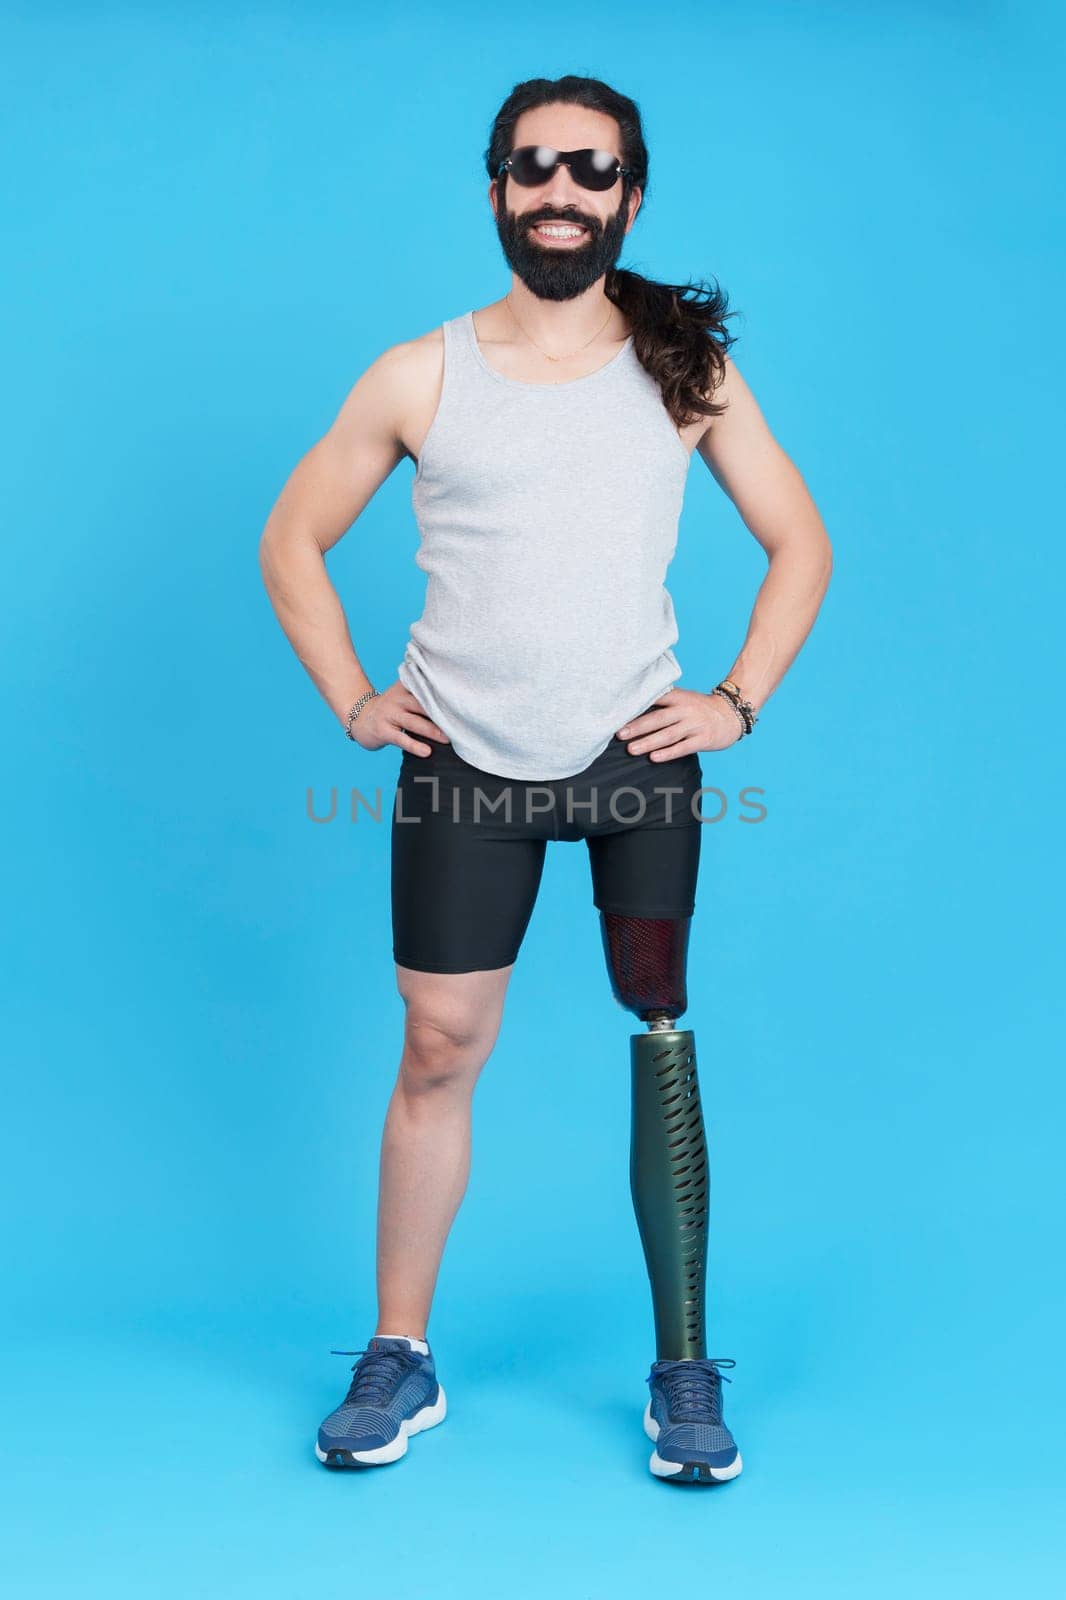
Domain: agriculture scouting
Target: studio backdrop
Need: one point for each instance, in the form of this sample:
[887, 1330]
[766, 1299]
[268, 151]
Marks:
[214, 222]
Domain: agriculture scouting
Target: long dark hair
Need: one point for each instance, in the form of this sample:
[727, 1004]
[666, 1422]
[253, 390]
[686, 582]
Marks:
[679, 330]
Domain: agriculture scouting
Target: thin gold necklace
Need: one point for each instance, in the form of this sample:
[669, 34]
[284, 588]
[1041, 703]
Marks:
[545, 353]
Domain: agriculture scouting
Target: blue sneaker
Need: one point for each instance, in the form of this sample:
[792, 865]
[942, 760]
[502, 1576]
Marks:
[393, 1394]
[684, 1417]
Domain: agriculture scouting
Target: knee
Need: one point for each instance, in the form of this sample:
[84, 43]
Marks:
[444, 1047]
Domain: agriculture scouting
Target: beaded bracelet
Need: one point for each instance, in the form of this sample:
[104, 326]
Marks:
[743, 708]
[740, 715]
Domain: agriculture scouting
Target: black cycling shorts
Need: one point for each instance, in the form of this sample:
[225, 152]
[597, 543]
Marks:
[468, 849]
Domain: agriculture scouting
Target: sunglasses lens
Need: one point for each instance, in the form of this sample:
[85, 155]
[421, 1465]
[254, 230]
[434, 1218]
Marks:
[594, 169]
[535, 163]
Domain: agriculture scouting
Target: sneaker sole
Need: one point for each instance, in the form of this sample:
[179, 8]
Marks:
[686, 1471]
[428, 1417]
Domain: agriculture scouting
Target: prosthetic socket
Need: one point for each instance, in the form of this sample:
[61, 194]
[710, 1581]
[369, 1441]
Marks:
[646, 959]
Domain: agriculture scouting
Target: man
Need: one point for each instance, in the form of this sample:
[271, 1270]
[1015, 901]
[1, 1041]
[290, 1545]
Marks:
[552, 432]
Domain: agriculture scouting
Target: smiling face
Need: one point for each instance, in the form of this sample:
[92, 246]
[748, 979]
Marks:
[553, 266]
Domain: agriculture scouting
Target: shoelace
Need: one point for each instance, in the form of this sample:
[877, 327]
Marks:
[376, 1373]
[693, 1388]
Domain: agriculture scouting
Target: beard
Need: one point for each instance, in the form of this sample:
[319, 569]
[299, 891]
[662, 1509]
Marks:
[560, 272]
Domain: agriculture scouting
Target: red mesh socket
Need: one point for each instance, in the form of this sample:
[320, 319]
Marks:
[647, 959]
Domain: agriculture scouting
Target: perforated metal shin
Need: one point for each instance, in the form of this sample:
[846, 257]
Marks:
[646, 958]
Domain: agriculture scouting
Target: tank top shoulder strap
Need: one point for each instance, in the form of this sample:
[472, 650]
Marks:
[464, 369]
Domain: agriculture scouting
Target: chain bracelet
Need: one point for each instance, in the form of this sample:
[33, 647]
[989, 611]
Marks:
[354, 712]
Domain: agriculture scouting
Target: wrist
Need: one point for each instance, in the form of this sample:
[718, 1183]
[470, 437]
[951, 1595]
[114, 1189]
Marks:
[357, 707]
[343, 700]
[743, 709]
[727, 711]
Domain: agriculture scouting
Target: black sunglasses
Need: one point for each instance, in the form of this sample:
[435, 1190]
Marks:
[535, 163]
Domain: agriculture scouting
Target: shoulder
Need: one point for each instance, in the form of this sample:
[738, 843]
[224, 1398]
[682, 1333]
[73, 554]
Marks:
[395, 384]
[740, 420]
[727, 387]
[412, 376]
[419, 346]
[408, 359]
[401, 388]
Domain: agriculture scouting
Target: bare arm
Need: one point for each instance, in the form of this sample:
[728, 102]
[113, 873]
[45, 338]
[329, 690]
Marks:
[776, 507]
[774, 503]
[326, 492]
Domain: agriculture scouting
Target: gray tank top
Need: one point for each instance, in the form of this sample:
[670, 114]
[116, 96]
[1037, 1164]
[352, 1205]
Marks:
[547, 516]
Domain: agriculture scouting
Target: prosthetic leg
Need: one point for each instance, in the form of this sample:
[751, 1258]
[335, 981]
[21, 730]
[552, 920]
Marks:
[646, 958]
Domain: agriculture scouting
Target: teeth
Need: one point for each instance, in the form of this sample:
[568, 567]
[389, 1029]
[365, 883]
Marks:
[559, 232]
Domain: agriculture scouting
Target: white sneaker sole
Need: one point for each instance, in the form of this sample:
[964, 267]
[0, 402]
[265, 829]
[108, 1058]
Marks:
[428, 1417]
[670, 1469]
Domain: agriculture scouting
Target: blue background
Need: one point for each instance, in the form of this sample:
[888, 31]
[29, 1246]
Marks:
[214, 221]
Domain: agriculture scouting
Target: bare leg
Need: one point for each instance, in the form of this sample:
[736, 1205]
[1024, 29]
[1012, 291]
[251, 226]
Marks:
[451, 1025]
